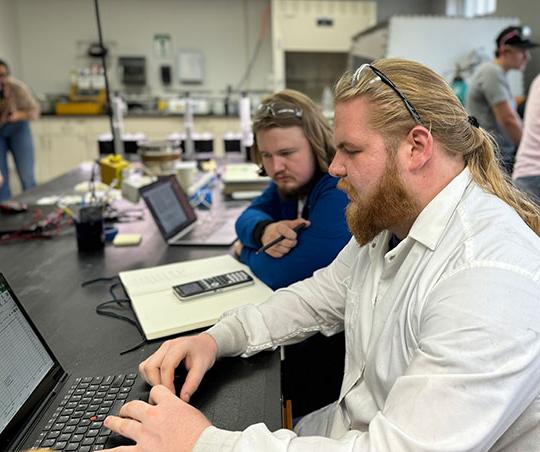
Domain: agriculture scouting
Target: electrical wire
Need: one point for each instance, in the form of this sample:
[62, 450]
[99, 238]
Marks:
[262, 33]
[103, 278]
[101, 309]
[40, 227]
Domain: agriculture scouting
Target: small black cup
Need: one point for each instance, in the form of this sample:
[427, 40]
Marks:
[89, 229]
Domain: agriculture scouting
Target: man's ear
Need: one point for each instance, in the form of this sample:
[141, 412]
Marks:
[420, 147]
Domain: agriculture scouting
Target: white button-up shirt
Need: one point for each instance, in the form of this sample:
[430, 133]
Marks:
[442, 336]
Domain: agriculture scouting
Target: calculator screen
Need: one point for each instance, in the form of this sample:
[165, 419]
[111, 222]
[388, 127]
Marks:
[190, 288]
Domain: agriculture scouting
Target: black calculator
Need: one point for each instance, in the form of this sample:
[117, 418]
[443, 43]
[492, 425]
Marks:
[214, 284]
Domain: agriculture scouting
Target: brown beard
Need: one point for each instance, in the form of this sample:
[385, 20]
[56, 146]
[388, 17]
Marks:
[390, 205]
[302, 191]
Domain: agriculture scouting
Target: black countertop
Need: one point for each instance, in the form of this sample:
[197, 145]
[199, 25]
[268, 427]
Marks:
[47, 276]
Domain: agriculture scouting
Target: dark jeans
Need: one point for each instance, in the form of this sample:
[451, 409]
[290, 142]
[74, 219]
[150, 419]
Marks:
[16, 137]
[530, 185]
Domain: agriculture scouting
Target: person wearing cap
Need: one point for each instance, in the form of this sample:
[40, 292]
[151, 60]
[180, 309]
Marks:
[490, 99]
[526, 173]
[438, 294]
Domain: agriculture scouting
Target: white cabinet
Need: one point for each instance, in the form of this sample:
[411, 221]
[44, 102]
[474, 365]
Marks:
[315, 26]
[61, 143]
[320, 25]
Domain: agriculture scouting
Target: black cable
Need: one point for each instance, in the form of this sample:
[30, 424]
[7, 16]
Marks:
[100, 311]
[114, 315]
[111, 290]
[264, 24]
[118, 301]
[135, 347]
[103, 278]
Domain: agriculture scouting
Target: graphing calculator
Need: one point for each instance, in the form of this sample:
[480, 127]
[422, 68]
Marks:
[214, 284]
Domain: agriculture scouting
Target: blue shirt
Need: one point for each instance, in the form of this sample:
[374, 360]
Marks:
[317, 245]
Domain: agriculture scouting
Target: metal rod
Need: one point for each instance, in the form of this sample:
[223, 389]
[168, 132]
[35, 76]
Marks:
[108, 108]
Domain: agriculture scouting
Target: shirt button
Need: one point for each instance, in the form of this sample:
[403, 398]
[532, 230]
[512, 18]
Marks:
[373, 245]
[391, 257]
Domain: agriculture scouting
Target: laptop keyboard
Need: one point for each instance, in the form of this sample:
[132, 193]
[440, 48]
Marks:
[205, 229]
[77, 423]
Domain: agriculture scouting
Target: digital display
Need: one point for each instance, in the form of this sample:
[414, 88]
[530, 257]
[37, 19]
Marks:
[25, 361]
[189, 289]
[166, 206]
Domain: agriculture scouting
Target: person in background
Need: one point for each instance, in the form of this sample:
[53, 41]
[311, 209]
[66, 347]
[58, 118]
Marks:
[438, 293]
[17, 108]
[526, 173]
[294, 146]
[490, 99]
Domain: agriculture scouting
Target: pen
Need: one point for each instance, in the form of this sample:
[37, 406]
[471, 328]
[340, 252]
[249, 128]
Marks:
[279, 239]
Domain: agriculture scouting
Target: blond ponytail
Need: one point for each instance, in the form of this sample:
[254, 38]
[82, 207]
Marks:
[441, 111]
[487, 173]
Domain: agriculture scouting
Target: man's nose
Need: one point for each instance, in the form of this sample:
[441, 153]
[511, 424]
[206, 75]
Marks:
[337, 168]
[279, 163]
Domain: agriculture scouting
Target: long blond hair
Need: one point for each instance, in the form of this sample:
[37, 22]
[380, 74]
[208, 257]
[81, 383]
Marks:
[442, 113]
[316, 128]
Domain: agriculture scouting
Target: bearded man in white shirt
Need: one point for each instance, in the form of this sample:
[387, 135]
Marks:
[438, 294]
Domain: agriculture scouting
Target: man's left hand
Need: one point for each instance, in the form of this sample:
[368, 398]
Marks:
[171, 425]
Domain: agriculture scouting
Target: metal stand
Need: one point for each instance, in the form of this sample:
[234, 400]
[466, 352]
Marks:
[246, 139]
[189, 151]
[118, 124]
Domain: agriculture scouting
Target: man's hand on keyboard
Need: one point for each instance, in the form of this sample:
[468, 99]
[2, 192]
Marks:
[197, 352]
[169, 425]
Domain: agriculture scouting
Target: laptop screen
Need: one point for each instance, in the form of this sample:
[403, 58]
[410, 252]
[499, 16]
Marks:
[27, 364]
[169, 205]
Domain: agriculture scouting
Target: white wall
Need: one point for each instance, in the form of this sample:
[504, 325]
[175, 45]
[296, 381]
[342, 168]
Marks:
[54, 35]
[389, 8]
[9, 40]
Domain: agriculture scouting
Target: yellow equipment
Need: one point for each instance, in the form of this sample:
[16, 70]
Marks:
[82, 103]
[111, 169]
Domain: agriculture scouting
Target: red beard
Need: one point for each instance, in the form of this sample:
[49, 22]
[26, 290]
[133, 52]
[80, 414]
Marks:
[390, 205]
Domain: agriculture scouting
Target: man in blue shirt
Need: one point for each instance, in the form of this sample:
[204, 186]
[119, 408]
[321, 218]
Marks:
[294, 146]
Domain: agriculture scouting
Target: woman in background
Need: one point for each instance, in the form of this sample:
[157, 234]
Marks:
[17, 108]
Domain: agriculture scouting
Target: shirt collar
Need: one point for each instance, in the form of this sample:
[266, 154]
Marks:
[433, 220]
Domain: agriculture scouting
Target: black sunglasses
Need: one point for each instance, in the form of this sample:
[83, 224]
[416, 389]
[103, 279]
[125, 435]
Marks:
[383, 78]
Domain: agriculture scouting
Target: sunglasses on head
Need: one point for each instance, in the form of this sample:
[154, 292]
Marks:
[383, 78]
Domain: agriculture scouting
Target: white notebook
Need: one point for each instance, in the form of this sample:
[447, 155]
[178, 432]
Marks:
[161, 313]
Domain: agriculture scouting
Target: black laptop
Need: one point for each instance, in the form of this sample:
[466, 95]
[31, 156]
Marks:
[178, 222]
[40, 405]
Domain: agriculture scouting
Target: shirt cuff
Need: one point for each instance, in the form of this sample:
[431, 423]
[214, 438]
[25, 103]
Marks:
[230, 337]
[259, 231]
[213, 439]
